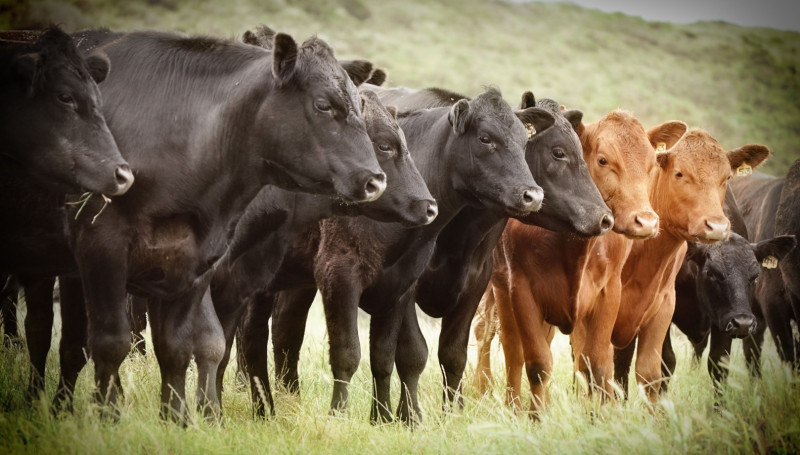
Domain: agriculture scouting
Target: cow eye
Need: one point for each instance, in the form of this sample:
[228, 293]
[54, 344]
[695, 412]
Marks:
[384, 147]
[322, 105]
[559, 153]
[602, 161]
[65, 98]
[678, 174]
[485, 139]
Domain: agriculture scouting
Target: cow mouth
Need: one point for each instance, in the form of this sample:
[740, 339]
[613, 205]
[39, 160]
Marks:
[287, 179]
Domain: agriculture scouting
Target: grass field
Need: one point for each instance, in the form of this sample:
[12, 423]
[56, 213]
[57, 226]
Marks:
[756, 416]
[741, 84]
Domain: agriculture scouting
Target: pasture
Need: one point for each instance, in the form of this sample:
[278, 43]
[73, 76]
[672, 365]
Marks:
[740, 84]
[755, 416]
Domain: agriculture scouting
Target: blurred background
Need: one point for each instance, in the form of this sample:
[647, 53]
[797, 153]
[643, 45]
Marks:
[740, 83]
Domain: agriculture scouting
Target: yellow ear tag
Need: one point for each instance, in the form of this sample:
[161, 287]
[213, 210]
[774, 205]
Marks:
[661, 147]
[770, 262]
[744, 170]
[530, 129]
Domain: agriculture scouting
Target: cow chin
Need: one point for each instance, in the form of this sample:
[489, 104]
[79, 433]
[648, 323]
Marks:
[291, 181]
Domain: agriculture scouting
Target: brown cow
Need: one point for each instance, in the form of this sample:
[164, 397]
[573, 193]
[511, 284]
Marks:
[688, 190]
[544, 278]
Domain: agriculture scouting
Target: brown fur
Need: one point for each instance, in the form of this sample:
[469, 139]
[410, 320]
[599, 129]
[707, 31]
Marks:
[544, 278]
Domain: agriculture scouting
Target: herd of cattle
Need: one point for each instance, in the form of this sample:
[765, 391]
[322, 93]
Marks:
[225, 182]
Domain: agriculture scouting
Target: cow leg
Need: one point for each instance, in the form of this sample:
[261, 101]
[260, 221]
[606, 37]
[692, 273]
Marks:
[254, 329]
[38, 327]
[9, 294]
[138, 314]
[668, 366]
[72, 349]
[289, 318]
[410, 362]
[485, 329]
[340, 297]
[209, 348]
[622, 365]
[512, 346]
[173, 351]
[718, 358]
[383, 338]
[596, 360]
[651, 339]
[699, 347]
[103, 274]
[774, 302]
[455, 333]
[229, 311]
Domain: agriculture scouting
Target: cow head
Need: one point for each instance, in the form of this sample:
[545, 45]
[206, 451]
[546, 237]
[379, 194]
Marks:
[51, 119]
[787, 221]
[691, 182]
[553, 152]
[620, 156]
[406, 199]
[315, 121]
[491, 141]
[725, 275]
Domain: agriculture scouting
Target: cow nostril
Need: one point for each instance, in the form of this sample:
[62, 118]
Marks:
[607, 222]
[432, 212]
[532, 197]
[375, 186]
[124, 179]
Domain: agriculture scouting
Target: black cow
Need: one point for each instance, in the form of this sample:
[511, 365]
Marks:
[206, 123]
[51, 126]
[469, 154]
[571, 202]
[770, 207]
[276, 219]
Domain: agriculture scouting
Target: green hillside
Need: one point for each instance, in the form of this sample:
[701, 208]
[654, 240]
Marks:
[741, 84]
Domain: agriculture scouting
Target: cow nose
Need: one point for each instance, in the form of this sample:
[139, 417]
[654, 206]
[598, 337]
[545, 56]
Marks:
[646, 224]
[717, 231]
[432, 212]
[124, 179]
[606, 223]
[532, 199]
[374, 187]
[741, 325]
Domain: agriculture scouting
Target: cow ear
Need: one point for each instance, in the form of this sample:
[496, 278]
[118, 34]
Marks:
[378, 77]
[458, 116]
[99, 66]
[536, 117]
[574, 118]
[358, 70]
[528, 100]
[284, 57]
[752, 155]
[778, 247]
[665, 136]
[25, 67]
[697, 253]
[250, 38]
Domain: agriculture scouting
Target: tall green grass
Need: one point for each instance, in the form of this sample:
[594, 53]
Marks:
[741, 84]
[755, 416]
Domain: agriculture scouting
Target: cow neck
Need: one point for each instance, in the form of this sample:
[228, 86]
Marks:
[649, 264]
[433, 153]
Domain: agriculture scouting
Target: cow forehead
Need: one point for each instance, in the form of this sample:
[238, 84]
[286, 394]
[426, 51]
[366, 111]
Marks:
[621, 133]
[700, 154]
[494, 113]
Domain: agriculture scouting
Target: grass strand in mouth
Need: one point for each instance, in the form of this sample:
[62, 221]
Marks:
[84, 199]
